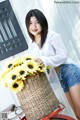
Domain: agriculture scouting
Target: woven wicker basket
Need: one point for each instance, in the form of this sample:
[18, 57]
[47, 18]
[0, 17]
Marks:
[37, 98]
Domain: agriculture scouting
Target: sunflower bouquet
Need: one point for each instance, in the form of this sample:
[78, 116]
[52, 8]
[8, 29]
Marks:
[17, 72]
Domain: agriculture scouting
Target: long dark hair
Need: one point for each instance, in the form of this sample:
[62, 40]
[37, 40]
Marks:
[43, 22]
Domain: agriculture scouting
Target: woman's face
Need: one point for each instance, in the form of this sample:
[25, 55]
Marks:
[34, 26]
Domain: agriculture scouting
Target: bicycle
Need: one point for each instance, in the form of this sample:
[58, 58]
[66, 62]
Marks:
[16, 113]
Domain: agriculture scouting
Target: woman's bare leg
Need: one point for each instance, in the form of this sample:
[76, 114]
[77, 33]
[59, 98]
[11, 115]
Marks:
[75, 95]
[68, 96]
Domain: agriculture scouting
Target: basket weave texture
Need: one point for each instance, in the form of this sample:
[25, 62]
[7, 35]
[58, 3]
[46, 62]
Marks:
[37, 98]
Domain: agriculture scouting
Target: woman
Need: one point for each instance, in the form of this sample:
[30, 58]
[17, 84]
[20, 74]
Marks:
[50, 51]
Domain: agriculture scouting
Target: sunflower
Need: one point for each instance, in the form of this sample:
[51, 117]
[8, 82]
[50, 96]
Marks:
[31, 66]
[41, 68]
[12, 64]
[4, 73]
[11, 77]
[9, 65]
[21, 71]
[16, 86]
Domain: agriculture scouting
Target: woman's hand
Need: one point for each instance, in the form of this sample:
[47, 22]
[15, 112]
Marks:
[38, 60]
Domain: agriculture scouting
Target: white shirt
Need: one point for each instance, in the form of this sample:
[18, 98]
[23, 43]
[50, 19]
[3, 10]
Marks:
[53, 51]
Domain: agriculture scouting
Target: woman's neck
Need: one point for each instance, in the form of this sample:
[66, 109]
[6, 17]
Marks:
[38, 38]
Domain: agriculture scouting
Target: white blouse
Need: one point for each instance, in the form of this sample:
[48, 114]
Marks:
[53, 51]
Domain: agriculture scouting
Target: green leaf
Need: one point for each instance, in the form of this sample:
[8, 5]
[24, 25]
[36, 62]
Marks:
[48, 70]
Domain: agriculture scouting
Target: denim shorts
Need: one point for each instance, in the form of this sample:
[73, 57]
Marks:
[69, 75]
